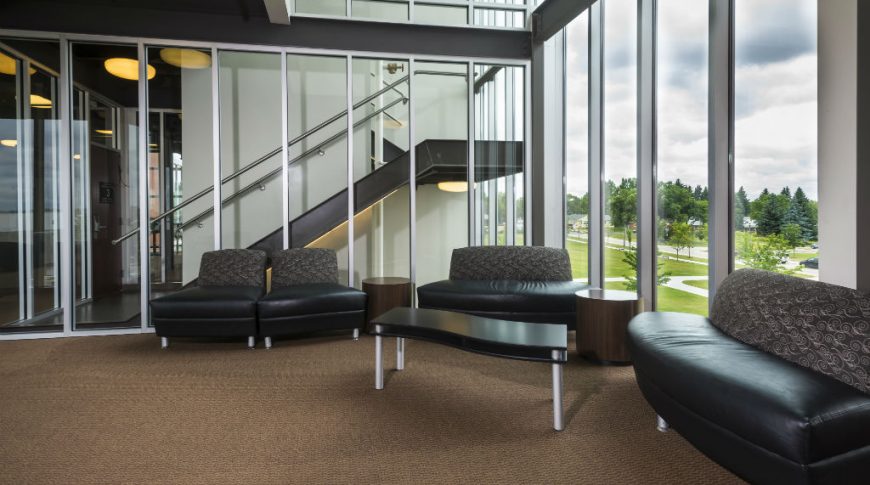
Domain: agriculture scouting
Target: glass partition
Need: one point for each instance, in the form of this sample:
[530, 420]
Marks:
[106, 185]
[577, 146]
[29, 203]
[381, 168]
[441, 141]
[180, 165]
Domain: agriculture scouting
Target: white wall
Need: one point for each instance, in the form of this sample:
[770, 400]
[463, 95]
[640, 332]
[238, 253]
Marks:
[838, 78]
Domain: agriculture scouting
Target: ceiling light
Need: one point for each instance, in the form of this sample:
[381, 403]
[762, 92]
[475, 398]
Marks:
[104, 132]
[37, 101]
[453, 186]
[127, 68]
[76, 156]
[9, 143]
[185, 58]
[9, 66]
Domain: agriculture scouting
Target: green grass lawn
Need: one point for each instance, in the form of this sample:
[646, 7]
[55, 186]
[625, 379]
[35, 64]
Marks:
[705, 284]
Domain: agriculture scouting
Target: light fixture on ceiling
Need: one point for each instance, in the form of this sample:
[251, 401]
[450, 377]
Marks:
[9, 143]
[76, 156]
[185, 58]
[103, 132]
[128, 69]
[453, 186]
[9, 65]
[37, 101]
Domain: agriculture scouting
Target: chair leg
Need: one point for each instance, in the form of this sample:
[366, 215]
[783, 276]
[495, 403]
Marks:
[164, 343]
[356, 334]
[268, 343]
[252, 342]
[661, 424]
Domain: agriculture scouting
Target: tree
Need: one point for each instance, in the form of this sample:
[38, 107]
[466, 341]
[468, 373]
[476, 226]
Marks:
[767, 253]
[792, 234]
[741, 208]
[623, 207]
[681, 237]
[577, 205]
[807, 213]
[769, 212]
[629, 257]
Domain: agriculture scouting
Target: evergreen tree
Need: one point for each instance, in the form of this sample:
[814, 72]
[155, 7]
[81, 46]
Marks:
[771, 212]
[741, 208]
[807, 219]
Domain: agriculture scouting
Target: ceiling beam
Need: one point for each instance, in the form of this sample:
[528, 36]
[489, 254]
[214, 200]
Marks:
[278, 11]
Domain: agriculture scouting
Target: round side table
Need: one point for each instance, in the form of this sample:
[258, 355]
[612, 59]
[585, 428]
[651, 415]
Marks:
[386, 293]
[602, 320]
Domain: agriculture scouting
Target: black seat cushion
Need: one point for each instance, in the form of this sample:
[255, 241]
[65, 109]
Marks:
[532, 301]
[787, 409]
[311, 299]
[207, 311]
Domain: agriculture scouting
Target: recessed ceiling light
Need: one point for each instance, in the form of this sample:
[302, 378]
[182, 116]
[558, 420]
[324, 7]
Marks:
[37, 101]
[9, 143]
[103, 132]
[127, 68]
[9, 65]
[185, 58]
[76, 156]
[453, 186]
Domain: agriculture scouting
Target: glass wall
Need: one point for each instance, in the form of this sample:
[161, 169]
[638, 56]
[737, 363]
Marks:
[577, 145]
[499, 154]
[620, 143]
[106, 176]
[381, 168]
[775, 169]
[29, 202]
[483, 13]
[180, 161]
[440, 103]
[682, 69]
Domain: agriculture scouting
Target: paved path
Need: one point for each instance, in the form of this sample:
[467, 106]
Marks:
[679, 283]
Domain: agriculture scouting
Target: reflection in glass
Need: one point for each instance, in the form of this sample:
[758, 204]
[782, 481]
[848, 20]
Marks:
[620, 143]
[577, 146]
[105, 189]
[441, 143]
[682, 156]
[381, 168]
[29, 202]
[499, 154]
[180, 165]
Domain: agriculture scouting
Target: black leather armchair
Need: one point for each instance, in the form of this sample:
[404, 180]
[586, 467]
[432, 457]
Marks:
[306, 296]
[222, 304]
[518, 283]
[774, 387]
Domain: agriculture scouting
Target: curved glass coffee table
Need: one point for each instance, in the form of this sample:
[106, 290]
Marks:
[537, 342]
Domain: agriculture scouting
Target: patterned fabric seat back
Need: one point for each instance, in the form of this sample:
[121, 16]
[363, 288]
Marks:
[514, 263]
[817, 325]
[233, 267]
[304, 266]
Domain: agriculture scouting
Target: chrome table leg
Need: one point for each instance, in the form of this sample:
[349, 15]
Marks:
[661, 424]
[558, 423]
[400, 353]
[164, 343]
[379, 362]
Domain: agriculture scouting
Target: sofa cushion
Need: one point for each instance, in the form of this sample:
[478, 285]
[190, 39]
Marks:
[501, 295]
[301, 266]
[311, 299]
[817, 325]
[516, 263]
[780, 406]
[233, 267]
[203, 302]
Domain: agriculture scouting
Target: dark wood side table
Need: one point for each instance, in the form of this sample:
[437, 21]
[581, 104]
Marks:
[384, 294]
[602, 320]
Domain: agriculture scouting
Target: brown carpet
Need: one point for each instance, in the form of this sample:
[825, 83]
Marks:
[120, 410]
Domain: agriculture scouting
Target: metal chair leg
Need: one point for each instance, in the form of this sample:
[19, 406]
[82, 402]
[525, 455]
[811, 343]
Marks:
[252, 342]
[164, 343]
[356, 334]
[268, 342]
[661, 424]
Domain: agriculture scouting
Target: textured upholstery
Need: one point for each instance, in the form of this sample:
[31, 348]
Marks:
[817, 325]
[233, 267]
[516, 263]
[764, 418]
[296, 309]
[304, 266]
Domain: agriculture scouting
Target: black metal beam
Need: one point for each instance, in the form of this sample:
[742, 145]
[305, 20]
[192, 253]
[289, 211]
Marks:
[552, 15]
[141, 19]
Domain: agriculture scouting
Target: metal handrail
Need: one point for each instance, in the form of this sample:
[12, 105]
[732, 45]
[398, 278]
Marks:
[269, 155]
[307, 153]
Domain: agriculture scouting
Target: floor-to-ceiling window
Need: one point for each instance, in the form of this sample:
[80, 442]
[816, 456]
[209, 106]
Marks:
[30, 278]
[619, 166]
[775, 168]
[682, 199]
[577, 145]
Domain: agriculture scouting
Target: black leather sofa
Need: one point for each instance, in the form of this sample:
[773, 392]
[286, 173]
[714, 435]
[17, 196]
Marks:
[775, 387]
[222, 304]
[306, 297]
[518, 283]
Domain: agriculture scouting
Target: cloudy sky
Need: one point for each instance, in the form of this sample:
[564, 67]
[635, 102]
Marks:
[775, 94]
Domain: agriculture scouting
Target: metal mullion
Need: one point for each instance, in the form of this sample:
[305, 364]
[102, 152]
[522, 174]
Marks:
[348, 8]
[66, 239]
[144, 223]
[646, 152]
[217, 188]
[86, 199]
[350, 187]
[412, 180]
[470, 145]
[285, 155]
[596, 145]
[55, 195]
[161, 200]
[21, 161]
[527, 156]
[721, 142]
[26, 143]
[510, 195]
